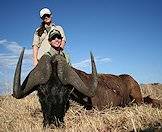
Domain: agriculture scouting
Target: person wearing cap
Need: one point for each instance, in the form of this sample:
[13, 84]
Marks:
[40, 40]
[55, 40]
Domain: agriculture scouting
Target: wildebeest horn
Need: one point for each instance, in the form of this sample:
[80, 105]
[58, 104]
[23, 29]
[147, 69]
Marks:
[39, 75]
[94, 73]
[67, 75]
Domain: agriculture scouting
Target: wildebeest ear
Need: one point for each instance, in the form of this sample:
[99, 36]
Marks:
[39, 75]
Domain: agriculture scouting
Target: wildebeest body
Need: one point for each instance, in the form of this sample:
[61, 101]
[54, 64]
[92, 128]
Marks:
[113, 90]
[54, 79]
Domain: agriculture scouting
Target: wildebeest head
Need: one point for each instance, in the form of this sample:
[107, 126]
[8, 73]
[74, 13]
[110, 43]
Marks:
[52, 78]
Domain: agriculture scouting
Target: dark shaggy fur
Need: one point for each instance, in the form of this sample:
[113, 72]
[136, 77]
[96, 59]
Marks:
[54, 100]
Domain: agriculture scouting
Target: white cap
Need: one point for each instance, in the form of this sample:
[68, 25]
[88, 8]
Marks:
[44, 11]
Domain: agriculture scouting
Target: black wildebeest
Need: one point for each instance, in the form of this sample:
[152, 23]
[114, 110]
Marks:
[53, 78]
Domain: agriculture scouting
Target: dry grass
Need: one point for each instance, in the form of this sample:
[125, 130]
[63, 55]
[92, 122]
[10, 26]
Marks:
[25, 115]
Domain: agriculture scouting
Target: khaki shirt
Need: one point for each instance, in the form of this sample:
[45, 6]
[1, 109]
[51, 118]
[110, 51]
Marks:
[42, 42]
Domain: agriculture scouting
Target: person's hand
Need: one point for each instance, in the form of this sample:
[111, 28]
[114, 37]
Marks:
[35, 62]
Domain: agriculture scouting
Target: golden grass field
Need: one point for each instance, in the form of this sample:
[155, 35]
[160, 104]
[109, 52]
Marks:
[25, 116]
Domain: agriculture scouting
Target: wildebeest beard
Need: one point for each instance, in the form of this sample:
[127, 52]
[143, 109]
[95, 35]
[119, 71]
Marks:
[54, 100]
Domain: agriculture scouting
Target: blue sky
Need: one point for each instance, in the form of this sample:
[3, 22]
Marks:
[125, 36]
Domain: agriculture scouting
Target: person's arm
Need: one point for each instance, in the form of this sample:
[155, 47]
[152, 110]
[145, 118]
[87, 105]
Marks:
[35, 45]
[35, 55]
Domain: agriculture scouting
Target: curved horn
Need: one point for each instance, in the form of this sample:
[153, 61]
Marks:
[39, 75]
[67, 75]
[94, 74]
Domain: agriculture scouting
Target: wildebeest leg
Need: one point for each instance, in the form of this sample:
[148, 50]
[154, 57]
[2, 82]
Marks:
[81, 99]
[87, 103]
[136, 93]
[154, 102]
[133, 87]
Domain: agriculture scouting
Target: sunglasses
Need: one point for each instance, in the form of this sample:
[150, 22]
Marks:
[45, 15]
[58, 36]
